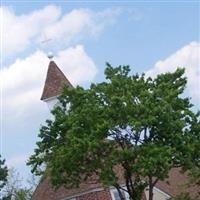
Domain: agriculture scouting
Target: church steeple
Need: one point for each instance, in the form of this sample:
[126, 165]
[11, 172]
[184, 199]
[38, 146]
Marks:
[55, 81]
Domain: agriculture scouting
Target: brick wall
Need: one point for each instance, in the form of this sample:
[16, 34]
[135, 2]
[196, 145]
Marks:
[101, 195]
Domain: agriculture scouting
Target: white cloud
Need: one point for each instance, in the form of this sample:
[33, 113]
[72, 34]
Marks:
[187, 57]
[79, 67]
[23, 81]
[19, 31]
[17, 160]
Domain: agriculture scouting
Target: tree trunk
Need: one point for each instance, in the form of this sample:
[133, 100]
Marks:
[150, 188]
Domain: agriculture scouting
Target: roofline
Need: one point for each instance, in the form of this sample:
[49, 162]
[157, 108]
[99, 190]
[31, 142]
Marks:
[54, 82]
[37, 187]
[82, 193]
[162, 192]
[50, 98]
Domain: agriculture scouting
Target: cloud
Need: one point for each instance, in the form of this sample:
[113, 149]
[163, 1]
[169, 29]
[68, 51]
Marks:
[80, 22]
[17, 160]
[23, 81]
[20, 31]
[79, 67]
[187, 57]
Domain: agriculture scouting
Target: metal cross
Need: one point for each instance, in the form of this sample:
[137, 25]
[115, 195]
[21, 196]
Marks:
[46, 41]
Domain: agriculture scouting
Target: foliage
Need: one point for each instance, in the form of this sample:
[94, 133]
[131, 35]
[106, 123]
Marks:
[21, 194]
[13, 190]
[141, 125]
[3, 173]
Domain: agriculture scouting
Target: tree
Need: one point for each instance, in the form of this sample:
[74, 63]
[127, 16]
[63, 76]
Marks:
[3, 173]
[14, 190]
[137, 124]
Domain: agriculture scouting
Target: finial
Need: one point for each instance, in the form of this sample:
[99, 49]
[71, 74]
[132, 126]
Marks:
[50, 55]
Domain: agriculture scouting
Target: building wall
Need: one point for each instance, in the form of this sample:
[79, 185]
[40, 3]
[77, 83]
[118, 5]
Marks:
[101, 195]
[52, 102]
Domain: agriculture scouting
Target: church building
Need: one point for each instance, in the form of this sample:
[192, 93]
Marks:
[90, 189]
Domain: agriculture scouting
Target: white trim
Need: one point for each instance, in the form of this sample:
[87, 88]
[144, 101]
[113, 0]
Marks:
[112, 187]
[82, 193]
[112, 195]
[160, 191]
[50, 98]
[112, 190]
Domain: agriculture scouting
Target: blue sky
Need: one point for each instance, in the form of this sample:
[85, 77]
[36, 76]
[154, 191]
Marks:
[151, 37]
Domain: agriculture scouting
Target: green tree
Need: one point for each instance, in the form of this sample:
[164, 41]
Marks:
[14, 190]
[140, 125]
[3, 173]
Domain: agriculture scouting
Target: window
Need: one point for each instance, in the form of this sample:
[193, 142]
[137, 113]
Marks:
[115, 194]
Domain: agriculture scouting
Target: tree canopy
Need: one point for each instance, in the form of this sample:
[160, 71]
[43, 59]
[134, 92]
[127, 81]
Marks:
[3, 173]
[144, 126]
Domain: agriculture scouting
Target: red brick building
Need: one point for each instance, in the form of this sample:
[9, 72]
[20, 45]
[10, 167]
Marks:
[92, 190]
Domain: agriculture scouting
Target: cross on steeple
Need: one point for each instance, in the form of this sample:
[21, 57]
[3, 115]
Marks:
[46, 40]
[45, 43]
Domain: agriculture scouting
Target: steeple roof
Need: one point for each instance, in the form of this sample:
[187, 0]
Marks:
[55, 81]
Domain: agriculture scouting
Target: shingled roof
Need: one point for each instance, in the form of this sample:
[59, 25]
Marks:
[55, 81]
[174, 185]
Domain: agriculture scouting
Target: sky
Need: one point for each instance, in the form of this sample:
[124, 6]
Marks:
[151, 36]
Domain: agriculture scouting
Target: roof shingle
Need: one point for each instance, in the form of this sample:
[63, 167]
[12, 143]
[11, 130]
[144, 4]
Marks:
[55, 81]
